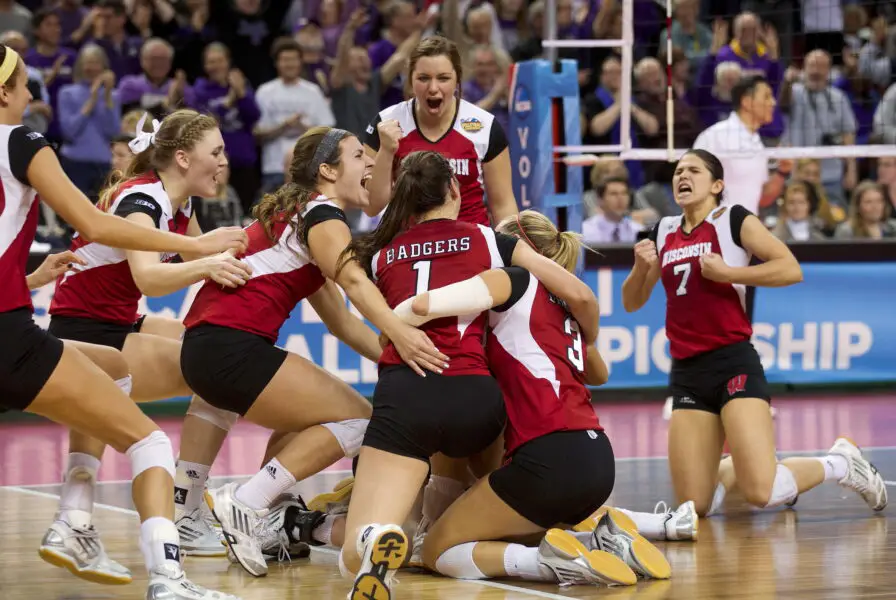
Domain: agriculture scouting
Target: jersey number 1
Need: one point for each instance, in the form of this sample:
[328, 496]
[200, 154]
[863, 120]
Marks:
[684, 269]
[574, 352]
[422, 267]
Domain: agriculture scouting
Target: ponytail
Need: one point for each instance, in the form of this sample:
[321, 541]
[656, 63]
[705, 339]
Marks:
[562, 247]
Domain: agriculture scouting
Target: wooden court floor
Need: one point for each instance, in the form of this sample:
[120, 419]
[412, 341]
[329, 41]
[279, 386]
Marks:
[830, 546]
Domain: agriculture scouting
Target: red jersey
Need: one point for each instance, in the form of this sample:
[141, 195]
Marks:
[104, 289]
[18, 212]
[536, 353]
[475, 138]
[283, 275]
[431, 255]
[702, 315]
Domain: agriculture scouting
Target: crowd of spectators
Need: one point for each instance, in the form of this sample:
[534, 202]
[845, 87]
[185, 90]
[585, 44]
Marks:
[270, 69]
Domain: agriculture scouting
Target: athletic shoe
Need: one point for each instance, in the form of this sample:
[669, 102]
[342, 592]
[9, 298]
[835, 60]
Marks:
[81, 552]
[198, 537]
[682, 523]
[590, 524]
[416, 560]
[335, 502]
[573, 563]
[383, 549]
[861, 476]
[243, 527]
[644, 558]
[169, 583]
[287, 518]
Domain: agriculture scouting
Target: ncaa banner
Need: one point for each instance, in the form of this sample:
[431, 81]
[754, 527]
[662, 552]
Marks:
[835, 327]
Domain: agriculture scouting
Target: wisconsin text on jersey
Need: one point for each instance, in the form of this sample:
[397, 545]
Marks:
[460, 166]
[435, 248]
[686, 252]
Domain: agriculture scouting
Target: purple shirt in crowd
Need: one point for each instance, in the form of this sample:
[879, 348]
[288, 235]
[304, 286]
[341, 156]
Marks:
[44, 64]
[124, 58]
[758, 64]
[473, 93]
[138, 90]
[86, 137]
[236, 121]
[70, 21]
[711, 109]
[380, 52]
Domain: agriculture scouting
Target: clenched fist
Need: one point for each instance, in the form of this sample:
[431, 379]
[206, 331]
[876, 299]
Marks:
[645, 254]
[390, 133]
[713, 267]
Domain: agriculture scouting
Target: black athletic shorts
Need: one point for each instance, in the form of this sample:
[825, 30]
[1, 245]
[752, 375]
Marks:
[558, 478]
[92, 331]
[227, 367]
[710, 380]
[28, 356]
[415, 416]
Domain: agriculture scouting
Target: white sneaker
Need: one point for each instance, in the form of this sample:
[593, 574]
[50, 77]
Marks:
[242, 526]
[861, 476]
[682, 523]
[416, 559]
[169, 583]
[81, 552]
[574, 564]
[198, 537]
[644, 558]
[383, 549]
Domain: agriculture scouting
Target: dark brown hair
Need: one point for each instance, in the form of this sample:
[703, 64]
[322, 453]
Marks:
[290, 198]
[423, 182]
[437, 45]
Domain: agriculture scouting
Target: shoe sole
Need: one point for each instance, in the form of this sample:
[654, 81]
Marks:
[62, 561]
[210, 502]
[649, 561]
[370, 587]
[207, 553]
[389, 550]
[342, 490]
[622, 520]
[609, 568]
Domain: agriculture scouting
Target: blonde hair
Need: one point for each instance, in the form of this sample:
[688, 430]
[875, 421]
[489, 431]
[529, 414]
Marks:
[86, 51]
[562, 247]
[181, 130]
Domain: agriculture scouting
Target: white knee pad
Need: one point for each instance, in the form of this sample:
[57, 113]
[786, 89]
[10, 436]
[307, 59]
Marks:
[222, 419]
[349, 434]
[457, 562]
[125, 384]
[784, 487]
[152, 451]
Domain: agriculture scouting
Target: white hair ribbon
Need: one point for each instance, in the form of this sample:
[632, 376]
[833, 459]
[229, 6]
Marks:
[144, 139]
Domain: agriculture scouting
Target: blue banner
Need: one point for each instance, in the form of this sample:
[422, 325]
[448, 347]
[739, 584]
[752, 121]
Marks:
[835, 327]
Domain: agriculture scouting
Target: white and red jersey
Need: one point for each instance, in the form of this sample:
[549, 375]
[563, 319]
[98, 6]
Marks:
[474, 138]
[283, 274]
[104, 288]
[702, 315]
[431, 255]
[537, 355]
[18, 212]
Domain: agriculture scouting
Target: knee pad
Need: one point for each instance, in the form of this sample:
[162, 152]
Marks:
[349, 434]
[222, 419]
[125, 384]
[784, 487]
[457, 562]
[152, 451]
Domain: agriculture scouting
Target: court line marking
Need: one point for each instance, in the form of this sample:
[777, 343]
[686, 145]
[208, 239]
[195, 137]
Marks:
[322, 550]
[120, 481]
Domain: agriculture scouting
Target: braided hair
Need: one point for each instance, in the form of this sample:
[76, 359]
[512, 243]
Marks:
[181, 130]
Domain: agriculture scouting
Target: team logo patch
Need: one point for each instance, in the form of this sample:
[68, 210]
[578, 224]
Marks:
[180, 495]
[472, 124]
[172, 552]
[737, 385]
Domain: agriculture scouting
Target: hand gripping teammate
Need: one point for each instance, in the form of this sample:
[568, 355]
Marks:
[717, 381]
[42, 375]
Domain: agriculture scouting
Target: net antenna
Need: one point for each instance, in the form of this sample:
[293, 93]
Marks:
[590, 154]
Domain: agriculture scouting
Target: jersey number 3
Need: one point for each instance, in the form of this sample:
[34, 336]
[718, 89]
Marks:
[684, 269]
[422, 267]
[574, 352]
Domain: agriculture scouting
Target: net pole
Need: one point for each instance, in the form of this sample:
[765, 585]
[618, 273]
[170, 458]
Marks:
[670, 93]
[550, 29]
[628, 36]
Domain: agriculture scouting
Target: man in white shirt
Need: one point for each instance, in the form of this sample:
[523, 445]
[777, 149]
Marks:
[289, 107]
[747, 180]
[612, 225]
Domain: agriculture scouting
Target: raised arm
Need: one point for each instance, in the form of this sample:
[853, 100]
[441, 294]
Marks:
[381, 142]
[330, 306]
[639, 284]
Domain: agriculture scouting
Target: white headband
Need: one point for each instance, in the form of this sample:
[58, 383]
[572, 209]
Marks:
[143, 139]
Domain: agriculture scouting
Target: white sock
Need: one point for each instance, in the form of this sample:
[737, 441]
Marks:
[440, 492]
[265, 486]
[78, 487]
[323, 533]
[650, 525]
[522, 561]
[457, 562]
[160, 543]
[189, 485]
[718, 498]
[835, 467]
[586, 537]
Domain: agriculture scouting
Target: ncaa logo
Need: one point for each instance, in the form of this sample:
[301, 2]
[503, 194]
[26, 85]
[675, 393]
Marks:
[522, 101]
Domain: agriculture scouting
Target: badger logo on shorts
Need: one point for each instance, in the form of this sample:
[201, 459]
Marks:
[737, 385]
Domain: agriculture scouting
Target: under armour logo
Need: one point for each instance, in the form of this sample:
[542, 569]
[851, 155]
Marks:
[172, 552]
[272, 471]
[180, 495]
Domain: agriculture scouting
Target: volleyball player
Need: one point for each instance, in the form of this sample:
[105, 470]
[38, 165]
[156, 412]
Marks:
[229, 357]
[458, 412]
[42, 375]
[717, 381]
